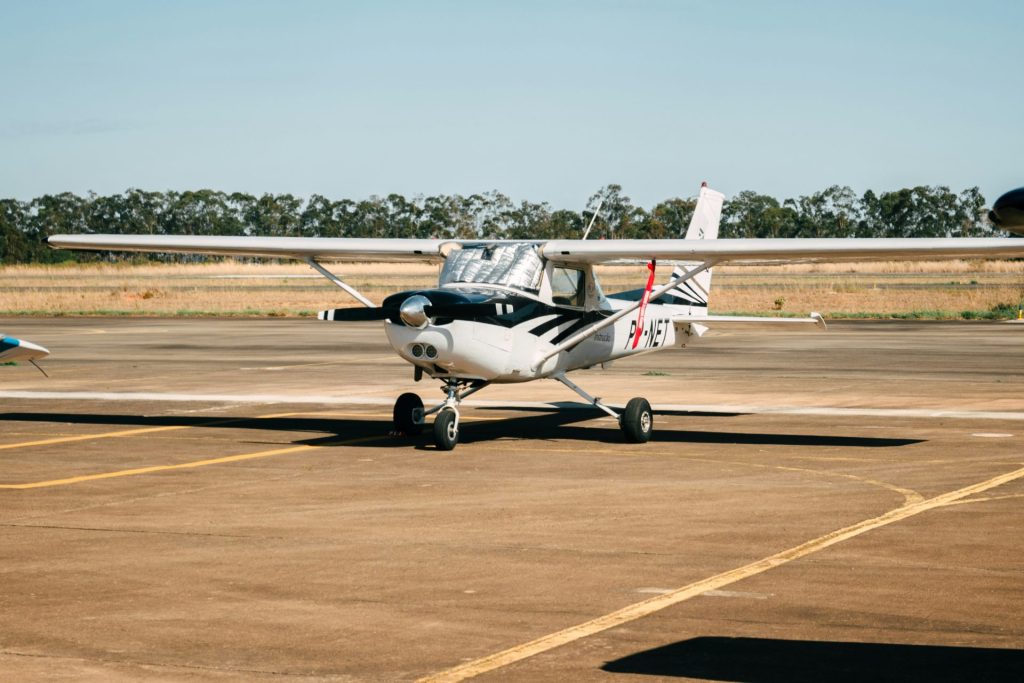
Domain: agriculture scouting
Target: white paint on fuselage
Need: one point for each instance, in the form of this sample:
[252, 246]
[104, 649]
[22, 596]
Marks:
[476, 350]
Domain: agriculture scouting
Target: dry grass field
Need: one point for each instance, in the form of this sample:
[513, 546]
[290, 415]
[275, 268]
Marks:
[948, 289]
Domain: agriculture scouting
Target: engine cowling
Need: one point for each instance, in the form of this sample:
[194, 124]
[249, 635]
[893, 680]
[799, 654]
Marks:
[1008, 211]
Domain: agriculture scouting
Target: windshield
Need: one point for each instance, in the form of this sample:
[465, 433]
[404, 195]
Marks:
[512, 265]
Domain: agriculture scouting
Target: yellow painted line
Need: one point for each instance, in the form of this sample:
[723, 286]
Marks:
[135, 432]
[181, 466]
[659, 602]
[87, 437]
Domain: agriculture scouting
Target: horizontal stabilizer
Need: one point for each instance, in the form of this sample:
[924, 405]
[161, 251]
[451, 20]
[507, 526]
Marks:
[12, 349]
[698, 325]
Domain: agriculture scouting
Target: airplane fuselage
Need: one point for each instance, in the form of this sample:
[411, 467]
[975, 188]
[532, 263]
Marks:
[504, 345]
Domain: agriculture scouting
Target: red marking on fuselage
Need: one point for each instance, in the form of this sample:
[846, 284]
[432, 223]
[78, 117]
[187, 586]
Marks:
[643, 302]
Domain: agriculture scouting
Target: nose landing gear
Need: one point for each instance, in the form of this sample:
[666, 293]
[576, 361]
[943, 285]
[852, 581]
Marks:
[409, 415]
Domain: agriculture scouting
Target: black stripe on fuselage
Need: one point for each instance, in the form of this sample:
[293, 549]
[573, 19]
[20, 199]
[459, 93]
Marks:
[510, 310]
[588, 318]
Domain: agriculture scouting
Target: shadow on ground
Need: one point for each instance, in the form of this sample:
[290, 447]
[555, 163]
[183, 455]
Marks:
[544, 426]
[560, 406]
[766, 660]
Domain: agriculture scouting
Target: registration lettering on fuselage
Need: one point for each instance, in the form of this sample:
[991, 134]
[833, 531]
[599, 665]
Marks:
[653, 334]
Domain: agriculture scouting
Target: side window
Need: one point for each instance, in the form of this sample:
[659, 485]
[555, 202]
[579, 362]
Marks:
[568, 286]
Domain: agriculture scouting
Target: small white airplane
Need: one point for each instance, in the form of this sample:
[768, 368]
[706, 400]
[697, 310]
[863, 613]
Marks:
[520, 310]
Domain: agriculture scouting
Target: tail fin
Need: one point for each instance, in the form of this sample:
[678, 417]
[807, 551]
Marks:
[694, 293]
[706, 215]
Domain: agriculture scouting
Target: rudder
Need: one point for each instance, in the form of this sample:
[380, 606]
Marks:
[707, 216]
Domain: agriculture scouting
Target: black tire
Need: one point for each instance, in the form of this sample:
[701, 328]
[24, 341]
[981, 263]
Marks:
[446, 430]
[408, 414]
[637, 421]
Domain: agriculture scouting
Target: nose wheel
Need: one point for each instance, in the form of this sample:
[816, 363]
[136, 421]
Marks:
[446, 429]
[410, 416]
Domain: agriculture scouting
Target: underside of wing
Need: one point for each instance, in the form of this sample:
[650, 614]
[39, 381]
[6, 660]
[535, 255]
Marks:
[318, 248]
[783, 250]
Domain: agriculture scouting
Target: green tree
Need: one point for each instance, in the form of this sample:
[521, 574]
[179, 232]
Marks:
[750, 214]
[59, 214]
[674, 216]
[616, 214]
[833, 212]
[14, 247]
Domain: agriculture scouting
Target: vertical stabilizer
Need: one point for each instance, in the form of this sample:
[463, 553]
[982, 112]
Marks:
[707, 215]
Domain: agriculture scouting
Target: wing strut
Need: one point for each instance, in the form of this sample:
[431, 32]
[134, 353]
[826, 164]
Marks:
[341, 283]
[618, 315]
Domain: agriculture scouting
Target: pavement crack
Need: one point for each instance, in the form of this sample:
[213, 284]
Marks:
[985, 499]
[910, 497]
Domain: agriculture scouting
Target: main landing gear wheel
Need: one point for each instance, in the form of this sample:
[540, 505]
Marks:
[446, 430]
[408, 414]
[637, 421]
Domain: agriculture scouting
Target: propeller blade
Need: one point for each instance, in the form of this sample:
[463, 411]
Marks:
[351, 315]
[461, 311]
[454, 311]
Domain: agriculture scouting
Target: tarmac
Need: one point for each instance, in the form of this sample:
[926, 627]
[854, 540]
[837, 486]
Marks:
[220, 499]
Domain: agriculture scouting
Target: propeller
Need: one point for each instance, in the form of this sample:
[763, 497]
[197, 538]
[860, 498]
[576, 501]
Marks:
[351, 315]
[414, 311]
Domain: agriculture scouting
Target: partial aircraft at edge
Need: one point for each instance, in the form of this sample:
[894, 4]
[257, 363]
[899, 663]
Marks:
[13, 350]
[519, 310]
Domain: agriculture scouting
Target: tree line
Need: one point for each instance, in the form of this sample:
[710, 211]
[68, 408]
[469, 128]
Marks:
[925, 211]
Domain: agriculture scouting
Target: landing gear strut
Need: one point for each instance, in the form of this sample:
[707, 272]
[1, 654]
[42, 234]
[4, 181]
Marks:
[409, 413]
[636, 421]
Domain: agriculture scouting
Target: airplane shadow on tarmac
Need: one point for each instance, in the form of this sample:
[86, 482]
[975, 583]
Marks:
[767, 660]
[544, 426]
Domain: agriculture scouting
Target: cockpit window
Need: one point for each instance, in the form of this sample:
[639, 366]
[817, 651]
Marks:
[567, 286]
[512, 265]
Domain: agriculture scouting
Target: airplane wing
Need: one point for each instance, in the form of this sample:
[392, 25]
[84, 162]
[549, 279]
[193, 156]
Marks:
[739, 251]
[301, 248]
[780, 250]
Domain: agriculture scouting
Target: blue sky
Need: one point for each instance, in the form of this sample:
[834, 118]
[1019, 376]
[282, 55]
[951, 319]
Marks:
[546, 101]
